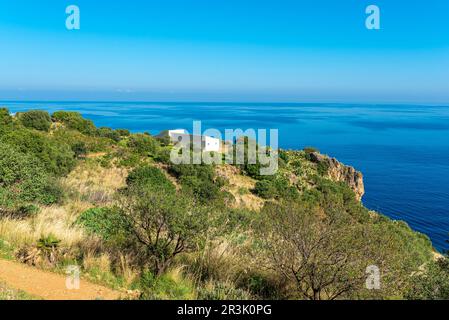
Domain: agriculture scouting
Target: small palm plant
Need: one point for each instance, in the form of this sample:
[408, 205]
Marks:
[48, 247]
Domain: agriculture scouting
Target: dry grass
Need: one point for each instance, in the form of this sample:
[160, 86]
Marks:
[95, 184]
[87, 186]
[240, 187]
[58, 221]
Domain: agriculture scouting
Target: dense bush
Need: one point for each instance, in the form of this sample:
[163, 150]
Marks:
[165, 287]
[222, 291]
[433, 283]
[143, 144]
[57, 158]
[164, 226]
[149, 178]
[108, 223]
[23, 179]
[200, 180]
[75, 121]
[335, 250]
[203, 190]
[75, 139]
[123, 132]
[109, 133]
[5, 121]
[5, 117]
[36, 119]
[276, 188]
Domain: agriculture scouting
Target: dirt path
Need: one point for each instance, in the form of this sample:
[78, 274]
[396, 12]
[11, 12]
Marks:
[50, 286]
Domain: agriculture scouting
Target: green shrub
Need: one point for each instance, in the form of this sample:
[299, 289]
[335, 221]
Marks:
[432, 284]
[23, 179]
[265, 189]
[5, 121]
[149, 178]
[143, 144]
[123, 132]
[203, 190]
[200, 180]
[5, 117]
[311, 150]
[276, 188]
[57, 158]
[36, 119]
[322, 168]
[75, 121]
[108, 223]
[79, 149]
[165, 225]
[105, 132]
[163, 156]
[165, 287]
[75, 140]
[201, 171]
[222, 291]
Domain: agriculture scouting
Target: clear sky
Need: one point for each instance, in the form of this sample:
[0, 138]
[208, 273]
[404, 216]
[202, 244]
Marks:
[225, 50]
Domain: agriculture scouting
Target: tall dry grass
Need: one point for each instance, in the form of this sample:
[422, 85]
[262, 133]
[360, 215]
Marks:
[95, 184]
[58, 221]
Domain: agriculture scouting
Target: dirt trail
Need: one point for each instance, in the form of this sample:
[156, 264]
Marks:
[50, 286]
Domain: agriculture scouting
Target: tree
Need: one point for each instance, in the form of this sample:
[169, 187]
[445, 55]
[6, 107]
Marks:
[75, 121]
[23, 180]
[312, 250]
[58, 158]
[432, 283]
[150, 179]
[143, 144]
[106, 132]
[5, 120]
[36, 119]
[164, 225]
[5, 117]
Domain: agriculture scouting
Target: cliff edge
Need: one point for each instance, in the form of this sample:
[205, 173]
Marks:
[340, 172]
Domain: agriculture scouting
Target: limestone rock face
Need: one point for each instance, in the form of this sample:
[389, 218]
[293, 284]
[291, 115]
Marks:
[339, 172]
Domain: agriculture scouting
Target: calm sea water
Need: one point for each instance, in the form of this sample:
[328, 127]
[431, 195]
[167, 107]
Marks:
[403, 150]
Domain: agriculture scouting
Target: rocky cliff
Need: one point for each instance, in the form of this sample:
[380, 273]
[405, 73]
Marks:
[337, 171]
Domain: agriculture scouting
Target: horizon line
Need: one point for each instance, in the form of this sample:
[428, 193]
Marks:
[396, 103]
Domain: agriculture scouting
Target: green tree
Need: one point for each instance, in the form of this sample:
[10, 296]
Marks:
[109, 133]
[75, 121]
[312, 251]
[164, 226]
[5, 117]
[23, 179]
[58, 158]
[432, 283]
[108, 223]
[143, 144]
[36, 119]
[5, 120]
[150, 179]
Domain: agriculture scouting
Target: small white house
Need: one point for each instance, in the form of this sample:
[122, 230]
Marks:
[211, 144]
[208, 144]
[175, 133]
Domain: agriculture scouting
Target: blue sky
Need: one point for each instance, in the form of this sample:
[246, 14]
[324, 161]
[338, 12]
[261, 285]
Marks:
[225, 50]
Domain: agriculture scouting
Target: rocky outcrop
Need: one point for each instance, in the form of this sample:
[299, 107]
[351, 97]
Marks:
[337, 171]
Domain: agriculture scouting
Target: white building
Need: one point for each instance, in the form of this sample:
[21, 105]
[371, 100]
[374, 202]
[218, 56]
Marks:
[211, 144]
[208, 144]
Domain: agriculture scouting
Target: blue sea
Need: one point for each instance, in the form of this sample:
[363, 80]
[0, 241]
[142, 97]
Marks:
[402, 150]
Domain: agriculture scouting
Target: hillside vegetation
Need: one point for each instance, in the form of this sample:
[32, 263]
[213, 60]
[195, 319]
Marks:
[112, 203]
